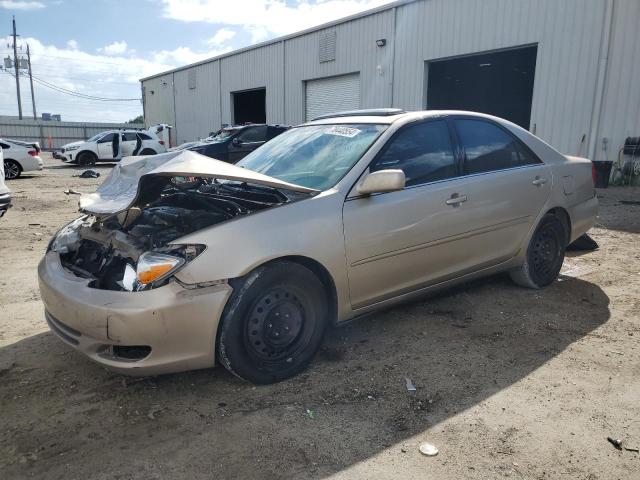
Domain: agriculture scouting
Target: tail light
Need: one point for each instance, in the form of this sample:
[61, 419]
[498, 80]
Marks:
[594, 174]
[161, 142]
[33, 153]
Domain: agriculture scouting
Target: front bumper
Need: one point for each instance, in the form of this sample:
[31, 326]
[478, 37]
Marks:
[5, 203]
[178, 324]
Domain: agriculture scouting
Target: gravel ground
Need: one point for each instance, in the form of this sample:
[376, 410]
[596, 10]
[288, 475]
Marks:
[510, 382]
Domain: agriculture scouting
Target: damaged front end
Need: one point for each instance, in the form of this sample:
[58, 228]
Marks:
[130, 248]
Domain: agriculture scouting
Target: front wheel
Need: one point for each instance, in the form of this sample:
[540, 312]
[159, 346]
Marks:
[545, 254]
[85, 159]
[12, 169]
[273, 323]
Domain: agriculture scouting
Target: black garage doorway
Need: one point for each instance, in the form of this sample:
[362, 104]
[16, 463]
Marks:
[249, 106]
[497, 83]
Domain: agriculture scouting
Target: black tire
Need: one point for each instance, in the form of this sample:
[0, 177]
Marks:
[148, 151]
[12, 169]
[86, 158]
[273, 323]
[545, 254]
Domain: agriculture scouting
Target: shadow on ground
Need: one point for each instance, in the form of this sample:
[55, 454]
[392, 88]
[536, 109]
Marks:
[64, 417]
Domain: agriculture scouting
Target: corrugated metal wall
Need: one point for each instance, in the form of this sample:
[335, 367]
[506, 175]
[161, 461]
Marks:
[258, 68]
[159, 102]
[621, 107]
[356, 52]
[197, 110]
[569, 34]
[54, 134]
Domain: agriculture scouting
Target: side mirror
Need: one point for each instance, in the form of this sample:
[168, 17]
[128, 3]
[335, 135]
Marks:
[382, 181]
[236, 141]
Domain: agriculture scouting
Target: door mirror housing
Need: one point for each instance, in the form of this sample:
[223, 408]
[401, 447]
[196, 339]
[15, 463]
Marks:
[236, 141]
[382, 181]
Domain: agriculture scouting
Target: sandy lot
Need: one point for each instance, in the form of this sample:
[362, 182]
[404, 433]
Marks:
[510, 382]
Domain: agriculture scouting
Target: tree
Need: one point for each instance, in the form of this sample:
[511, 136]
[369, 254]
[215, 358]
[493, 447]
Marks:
[138, 119]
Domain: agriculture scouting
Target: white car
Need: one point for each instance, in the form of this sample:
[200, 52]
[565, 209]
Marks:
[5, 193]
[112, 145]
[19, 157]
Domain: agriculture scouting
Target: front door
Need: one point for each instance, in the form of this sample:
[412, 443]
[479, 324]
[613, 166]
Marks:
[105, 147]
[397, 241]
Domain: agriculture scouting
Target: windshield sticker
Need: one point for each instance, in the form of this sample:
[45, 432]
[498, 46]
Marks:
[342, 131]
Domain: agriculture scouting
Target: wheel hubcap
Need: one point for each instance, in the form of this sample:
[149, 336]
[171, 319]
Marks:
[11, 170]
[275, 325]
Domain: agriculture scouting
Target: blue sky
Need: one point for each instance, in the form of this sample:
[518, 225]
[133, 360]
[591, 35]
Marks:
[102, 47]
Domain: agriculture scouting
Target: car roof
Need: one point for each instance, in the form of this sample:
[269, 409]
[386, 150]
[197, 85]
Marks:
[390, 116]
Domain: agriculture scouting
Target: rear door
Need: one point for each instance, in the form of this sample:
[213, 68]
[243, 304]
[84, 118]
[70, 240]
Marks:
[505, 187]
[128, 145]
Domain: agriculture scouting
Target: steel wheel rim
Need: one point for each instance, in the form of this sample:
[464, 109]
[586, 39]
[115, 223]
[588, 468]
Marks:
[11, 170]
[545, 252]
[275, 329]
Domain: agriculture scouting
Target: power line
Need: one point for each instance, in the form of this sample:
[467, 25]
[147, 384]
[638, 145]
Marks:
[78, 94]
[83, 95]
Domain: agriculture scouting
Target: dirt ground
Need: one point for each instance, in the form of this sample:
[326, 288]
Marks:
[510, 382]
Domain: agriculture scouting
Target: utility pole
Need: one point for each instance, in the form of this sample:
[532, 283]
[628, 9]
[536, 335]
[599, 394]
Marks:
[16, 67]
[33, 98]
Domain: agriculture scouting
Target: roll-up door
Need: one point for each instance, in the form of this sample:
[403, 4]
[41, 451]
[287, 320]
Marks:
[334, 94]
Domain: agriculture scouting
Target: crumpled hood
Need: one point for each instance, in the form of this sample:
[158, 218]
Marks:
[122, 187]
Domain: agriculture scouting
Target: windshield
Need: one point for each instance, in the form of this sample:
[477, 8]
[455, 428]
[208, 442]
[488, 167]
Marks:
[315, 156]
[95, 137]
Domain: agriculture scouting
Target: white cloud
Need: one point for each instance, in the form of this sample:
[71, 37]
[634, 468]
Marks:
[115, 48]
[79, 71]
[72, 44]
[266, 18]
[221, 36]
[21, 5]
[184, 55]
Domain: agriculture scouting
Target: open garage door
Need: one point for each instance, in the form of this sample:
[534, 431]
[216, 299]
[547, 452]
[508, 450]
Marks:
[250, 106]
[497, 83]
[335, 94]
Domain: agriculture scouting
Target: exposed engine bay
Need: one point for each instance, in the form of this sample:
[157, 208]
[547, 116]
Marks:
[105, 248]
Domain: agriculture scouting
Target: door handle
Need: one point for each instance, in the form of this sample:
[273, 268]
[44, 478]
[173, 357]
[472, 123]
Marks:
[539, 181]
[456, 199]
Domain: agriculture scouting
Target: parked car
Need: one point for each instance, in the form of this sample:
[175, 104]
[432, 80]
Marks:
[111, 146]
[179, 260]
[5, 193]
[234, 143]
[19, 157]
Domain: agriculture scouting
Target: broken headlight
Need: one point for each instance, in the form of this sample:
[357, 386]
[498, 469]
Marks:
[67, 238]
[157, 266]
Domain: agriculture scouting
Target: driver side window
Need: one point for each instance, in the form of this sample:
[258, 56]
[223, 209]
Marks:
[422, 151]
[107, 138]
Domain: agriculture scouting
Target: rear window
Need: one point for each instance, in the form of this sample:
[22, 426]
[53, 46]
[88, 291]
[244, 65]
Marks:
[489, 148]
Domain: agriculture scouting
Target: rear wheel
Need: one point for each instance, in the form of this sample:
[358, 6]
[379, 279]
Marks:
[12, 169]
[148, 151]
[273, 324]
[86, 158]
[545, 254]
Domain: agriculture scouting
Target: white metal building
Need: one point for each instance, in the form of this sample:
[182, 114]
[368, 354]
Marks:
[569, 70]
